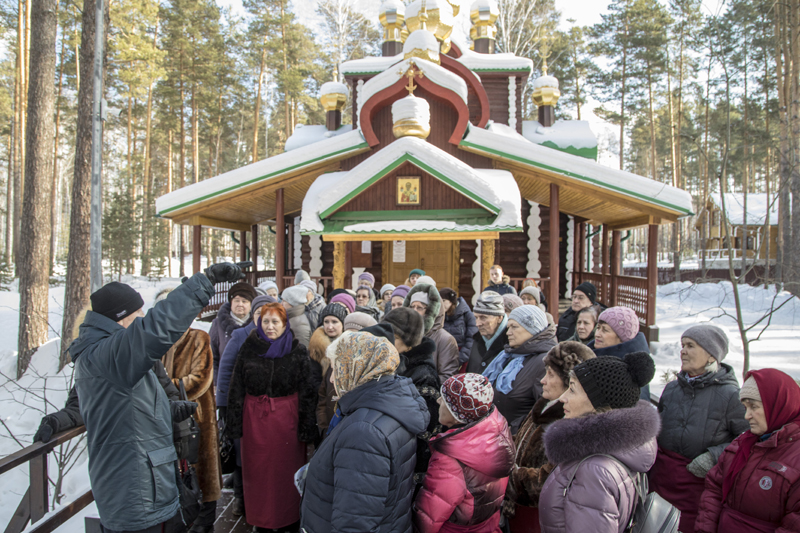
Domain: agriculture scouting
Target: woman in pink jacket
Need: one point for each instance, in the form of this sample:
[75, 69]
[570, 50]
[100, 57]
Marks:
[755, 486]
[607, 434]
[470, 462]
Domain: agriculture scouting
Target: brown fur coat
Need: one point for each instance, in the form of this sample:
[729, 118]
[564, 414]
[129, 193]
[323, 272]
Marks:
[531, 467]
[190, 360]
[326, 407]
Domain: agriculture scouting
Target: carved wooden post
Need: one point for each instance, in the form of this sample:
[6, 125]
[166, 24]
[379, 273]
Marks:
[652, 281]
[615, 257]
[338, 264]
[254, 247]
[196, 251]
[487, 260]
[555, 228]
[280, 239]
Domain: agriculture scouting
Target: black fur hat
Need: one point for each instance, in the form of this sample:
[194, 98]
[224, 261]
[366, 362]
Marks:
[407, 325]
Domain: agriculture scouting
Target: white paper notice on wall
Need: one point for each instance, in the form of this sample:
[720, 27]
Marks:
[366, 247]
[398, 251]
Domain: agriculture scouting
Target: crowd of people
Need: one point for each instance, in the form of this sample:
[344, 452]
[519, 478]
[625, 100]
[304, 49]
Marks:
[404, 409]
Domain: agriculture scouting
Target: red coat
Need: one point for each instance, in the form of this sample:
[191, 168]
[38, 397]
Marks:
[766, 494]
[467, 477]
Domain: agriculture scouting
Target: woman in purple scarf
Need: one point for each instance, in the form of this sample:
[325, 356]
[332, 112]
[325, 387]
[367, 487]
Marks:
[272, 408]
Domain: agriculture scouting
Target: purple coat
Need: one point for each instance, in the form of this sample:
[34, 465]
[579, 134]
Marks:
[602, 496]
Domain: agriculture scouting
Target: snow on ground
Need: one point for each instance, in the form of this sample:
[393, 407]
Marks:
[43, 389]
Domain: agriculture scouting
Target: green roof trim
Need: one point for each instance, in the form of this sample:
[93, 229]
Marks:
[455, 215]
[266, 176]
[586, 153]
[581, 177]
[337, 228]
[525, 69]
[393, 165]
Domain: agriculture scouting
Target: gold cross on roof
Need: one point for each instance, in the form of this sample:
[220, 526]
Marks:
[410, 73]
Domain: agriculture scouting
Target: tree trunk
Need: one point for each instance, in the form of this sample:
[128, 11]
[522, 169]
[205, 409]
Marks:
[9, 197]
[22, 96]
[254, 157]
[147, 186]
[34, 279]
[676, 228]
[54, 195]
[182, 160]
[78, 280]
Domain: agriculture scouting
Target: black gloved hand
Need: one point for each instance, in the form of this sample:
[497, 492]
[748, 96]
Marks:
[181, 410]
[46, 429]
[223, 412]
[220, 272]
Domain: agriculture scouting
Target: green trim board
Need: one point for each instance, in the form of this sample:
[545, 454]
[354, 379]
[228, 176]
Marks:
[270, 175]
[406, 157]
[337, 228]
[586, 153]
[649, 199]
[456, 215]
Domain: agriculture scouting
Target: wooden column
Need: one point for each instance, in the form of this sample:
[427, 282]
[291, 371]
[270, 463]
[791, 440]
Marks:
[290, 244]
[339, 253]
[604, 270]
[242, 246]
[615, 246]
[577, 255]
[196, 234]
[652, 281]
[280, 240]
[254, 246]
[555, 226]
[487, 260]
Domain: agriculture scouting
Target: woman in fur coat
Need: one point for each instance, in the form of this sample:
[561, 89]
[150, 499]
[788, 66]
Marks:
[531, 466]
[331, 326]
[271, 407]
[606, 435]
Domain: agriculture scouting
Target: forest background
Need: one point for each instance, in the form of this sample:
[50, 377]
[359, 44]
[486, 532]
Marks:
[702, 99]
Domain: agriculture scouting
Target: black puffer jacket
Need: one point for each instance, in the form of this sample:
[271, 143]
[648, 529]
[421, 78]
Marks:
[461, 325]
[220, 333]
[417, 365]
[566, 325]
[480, 357]
[362, 476]
[282, 376]
[702, 415]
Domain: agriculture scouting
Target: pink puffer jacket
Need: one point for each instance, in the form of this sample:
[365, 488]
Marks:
[467, 477]
[602, 495]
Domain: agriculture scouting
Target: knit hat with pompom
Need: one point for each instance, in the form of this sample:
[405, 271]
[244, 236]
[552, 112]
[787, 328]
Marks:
[613, 382]
[468, 397]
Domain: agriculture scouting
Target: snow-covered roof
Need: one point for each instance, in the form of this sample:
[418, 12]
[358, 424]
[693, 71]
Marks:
[572, 136]
[502, 143]
[333, 87]
[494, 62]
[336, 147]
[370, 65]
[435, 73]
[309, 134]
[758, 206]
[495, 191]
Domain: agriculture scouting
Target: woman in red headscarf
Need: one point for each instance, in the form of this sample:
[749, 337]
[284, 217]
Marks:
[755, 486]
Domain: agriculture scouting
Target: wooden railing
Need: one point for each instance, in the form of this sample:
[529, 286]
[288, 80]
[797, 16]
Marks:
[628, 291]
[35, 502]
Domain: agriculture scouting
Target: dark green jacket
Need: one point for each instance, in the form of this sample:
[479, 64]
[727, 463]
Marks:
[127, 415]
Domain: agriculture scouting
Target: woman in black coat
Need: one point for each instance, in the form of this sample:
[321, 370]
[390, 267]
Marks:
[459, 322]
[272, 408]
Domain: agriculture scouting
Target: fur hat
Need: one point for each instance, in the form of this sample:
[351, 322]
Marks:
[710, 338]
[468, 397]
[335, 310]
[589, 290]
[613, 382]
[358, 321]
[489, 303]
[450, 295]
[511, 302]
[425, 280]
[401, 290]
[366, 276]
[434, 305]
[622, 320]
[301, 275]
[563, 357]
[346, 300]
[243, 289]
[296, 295]
[117, 300]
[407, 325]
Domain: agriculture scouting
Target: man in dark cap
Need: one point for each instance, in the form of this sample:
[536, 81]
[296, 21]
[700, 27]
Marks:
[231, 316]
[583, 296]
[132, 460]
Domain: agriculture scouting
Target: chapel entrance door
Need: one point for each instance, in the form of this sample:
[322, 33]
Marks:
[436, 258]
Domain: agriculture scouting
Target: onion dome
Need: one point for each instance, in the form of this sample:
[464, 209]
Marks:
[440, 19]
[411, 116]
[392, 16]
[422, 44]
[545, 89]
[333, 96]
[483, 14]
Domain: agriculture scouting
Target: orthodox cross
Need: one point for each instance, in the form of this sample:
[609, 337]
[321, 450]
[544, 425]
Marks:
[410, 73]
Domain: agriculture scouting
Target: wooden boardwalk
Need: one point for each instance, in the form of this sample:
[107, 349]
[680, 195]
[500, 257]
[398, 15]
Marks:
[226, 522]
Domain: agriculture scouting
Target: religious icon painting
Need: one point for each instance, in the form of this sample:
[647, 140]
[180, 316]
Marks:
[408, 192]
